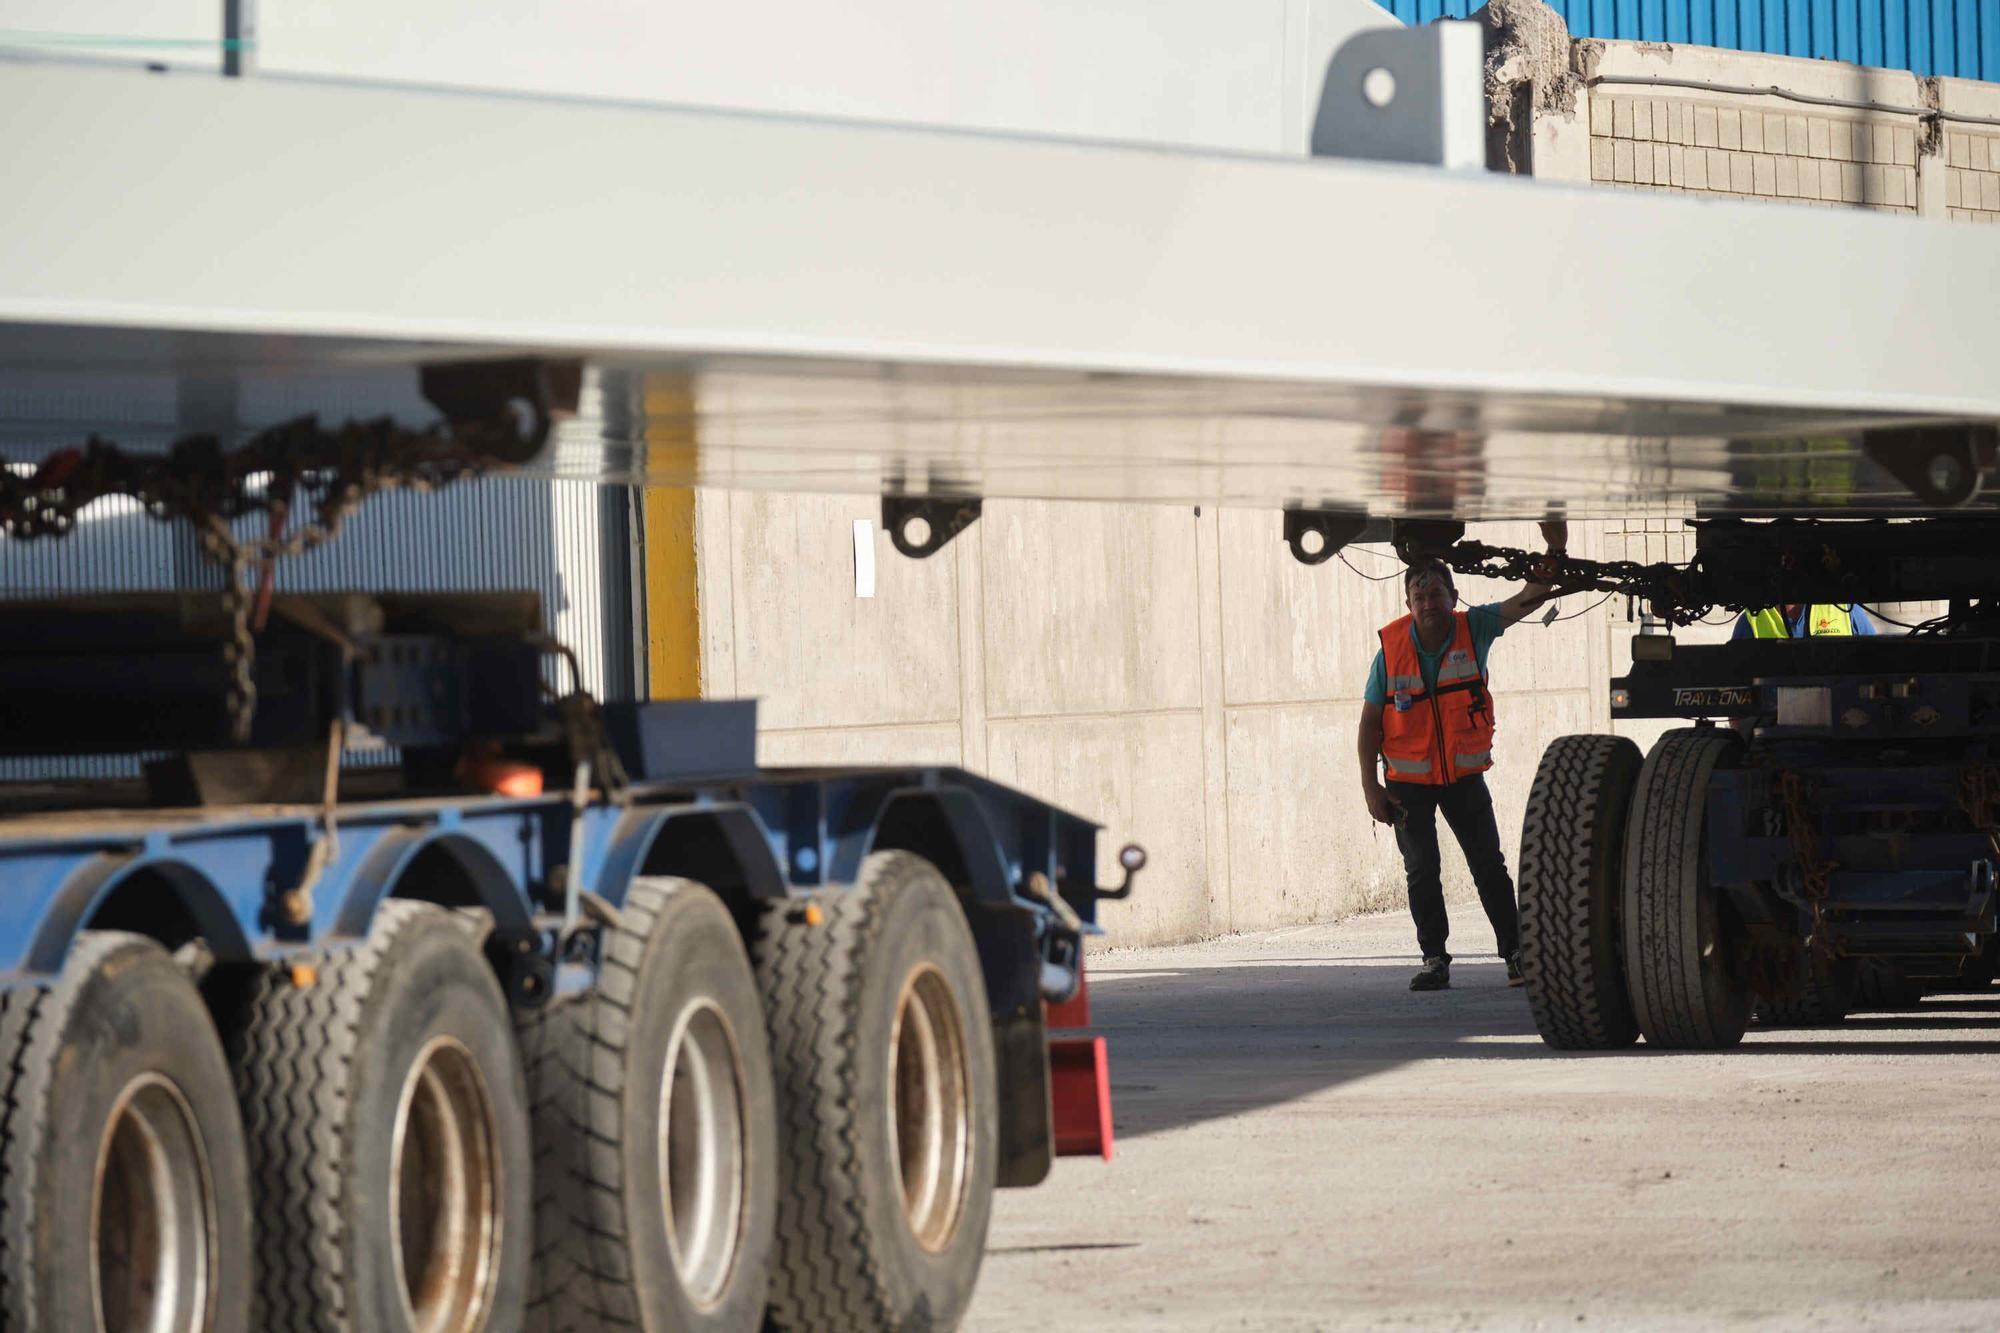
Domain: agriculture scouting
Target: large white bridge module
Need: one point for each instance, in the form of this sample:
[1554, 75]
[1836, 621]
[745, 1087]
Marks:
[833, 306]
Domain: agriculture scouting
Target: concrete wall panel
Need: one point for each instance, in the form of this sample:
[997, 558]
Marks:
[937, 743]
[1293, 633]
[1301, 844]
[1141, 777]
[816, 654]
[1089, 608]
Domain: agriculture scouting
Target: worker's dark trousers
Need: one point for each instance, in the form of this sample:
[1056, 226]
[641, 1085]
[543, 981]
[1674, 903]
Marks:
[1468, 808]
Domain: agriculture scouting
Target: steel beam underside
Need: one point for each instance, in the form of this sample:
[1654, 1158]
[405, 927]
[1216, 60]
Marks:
[853, 304]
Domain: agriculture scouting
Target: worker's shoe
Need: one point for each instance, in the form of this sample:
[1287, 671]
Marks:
[1436, 975]
[1514, 977]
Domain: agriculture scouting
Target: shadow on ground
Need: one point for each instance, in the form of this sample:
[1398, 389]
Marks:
[1198, 1043]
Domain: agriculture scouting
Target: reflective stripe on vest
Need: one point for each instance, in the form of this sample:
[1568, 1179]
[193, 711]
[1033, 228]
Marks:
[1435, 735]
[1823, 621]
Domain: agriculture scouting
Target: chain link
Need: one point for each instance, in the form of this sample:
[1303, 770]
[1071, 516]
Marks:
[1813, 870]
[196, 480]
[1671, 592]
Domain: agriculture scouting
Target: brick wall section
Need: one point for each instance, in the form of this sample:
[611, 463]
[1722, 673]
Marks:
[1972, 176]
[1696, 146]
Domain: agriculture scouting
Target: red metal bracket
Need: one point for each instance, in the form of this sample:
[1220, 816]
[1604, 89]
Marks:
[1080, 1096]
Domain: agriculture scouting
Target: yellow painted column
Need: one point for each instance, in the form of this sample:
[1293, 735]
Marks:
[673, 584]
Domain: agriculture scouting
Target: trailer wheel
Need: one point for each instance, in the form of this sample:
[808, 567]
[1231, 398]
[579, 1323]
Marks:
[1676, 955]
[124, 1189]
[884, 1060]
[655, 1134]
[388, 1134]
[1571, 885]
[1881, 985]
[1830, 992]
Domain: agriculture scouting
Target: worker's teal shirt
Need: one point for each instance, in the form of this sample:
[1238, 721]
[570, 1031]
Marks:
[1482, 621]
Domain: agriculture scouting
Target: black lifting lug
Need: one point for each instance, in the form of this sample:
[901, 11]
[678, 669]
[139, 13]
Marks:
[505, 410]
[1418, 538]
[1942, 465]
[1132, 857]
[920, 525]
[1317, 535]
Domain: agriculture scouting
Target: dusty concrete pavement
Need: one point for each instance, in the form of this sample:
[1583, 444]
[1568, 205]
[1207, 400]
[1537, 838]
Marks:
[1305, 1144]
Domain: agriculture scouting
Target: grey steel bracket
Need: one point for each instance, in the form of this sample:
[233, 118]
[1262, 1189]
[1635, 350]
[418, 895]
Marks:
[1334, 528]
[943, 516]
[1407, 95]
[1942, 465]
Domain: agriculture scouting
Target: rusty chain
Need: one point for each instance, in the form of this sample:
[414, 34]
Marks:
[1813, 871]
[276, 472]
[1671, 592]
[1979, 797]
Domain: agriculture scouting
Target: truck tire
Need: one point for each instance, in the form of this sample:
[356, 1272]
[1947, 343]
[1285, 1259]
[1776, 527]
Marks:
[655, 1133]
[124, 1188]
[388, 1134]
[886, 1100]
[1677, 962]
[1571, 885]
[1882, 986]
[1829, 995]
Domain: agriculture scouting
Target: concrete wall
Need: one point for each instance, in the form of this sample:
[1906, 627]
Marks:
[1177, 677]
[1893, 143]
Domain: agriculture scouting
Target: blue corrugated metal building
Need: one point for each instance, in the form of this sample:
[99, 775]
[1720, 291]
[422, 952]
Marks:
[1954, 37]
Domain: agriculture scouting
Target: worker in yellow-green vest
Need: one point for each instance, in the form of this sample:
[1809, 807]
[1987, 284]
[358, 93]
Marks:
[1796, 620]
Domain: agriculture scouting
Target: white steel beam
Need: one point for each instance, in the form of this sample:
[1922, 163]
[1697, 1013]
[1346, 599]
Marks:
[228, 225]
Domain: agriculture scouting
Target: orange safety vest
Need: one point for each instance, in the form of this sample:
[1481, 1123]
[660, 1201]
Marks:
[1435, 736]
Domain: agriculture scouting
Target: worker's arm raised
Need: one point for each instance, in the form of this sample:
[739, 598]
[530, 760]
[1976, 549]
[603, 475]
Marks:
[1533, 595]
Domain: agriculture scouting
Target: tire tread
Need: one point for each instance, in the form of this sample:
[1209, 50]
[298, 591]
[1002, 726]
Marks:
[293, 1051]
[1670, 996]
[1575, 822]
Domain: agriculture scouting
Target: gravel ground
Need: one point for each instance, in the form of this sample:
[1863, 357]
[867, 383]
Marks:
[1305, 1144]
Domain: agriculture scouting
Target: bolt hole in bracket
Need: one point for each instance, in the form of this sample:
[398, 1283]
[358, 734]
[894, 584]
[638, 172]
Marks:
[1941, 465]
[921, 525]
[1317, 535]
[1407, 95]
[531, 394]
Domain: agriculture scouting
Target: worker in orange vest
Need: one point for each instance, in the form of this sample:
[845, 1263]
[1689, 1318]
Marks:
[1427, 719]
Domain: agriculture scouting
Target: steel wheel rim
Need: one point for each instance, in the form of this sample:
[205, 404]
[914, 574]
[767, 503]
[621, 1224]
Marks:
[703, 1150]
[152, 1214]
[930, 1125]
[444, 1191]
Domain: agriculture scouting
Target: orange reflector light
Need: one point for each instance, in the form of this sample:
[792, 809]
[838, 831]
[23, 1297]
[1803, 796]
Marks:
[500, 777]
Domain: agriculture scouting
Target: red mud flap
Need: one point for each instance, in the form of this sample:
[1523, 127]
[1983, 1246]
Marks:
[1079, 1082]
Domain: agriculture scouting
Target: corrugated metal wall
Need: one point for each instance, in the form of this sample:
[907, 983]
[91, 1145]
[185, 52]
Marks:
[1960, 38]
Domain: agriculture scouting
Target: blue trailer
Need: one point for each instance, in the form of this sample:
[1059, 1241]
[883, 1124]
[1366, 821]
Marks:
[571, 1015]
[434, 1059]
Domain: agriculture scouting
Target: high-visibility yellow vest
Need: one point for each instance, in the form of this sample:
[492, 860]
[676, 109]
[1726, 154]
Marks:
[1822, 622]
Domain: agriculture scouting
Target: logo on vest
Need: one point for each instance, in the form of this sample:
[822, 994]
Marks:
[1403, 701]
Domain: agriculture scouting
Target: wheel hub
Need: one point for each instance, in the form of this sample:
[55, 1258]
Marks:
[703, 1150]
[931, 1126]
[444, 1184]
[153, 1230]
